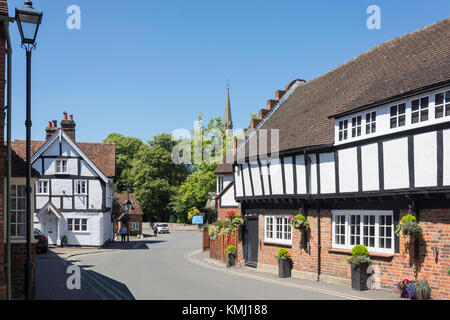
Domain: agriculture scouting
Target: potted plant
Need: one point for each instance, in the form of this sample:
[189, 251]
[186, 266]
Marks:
[63, 241]
[299, 222]
[422, 290]
[284, 263]
[231, 255]
[408, 227]
[411, 289]
[403, 285]
[359, 261]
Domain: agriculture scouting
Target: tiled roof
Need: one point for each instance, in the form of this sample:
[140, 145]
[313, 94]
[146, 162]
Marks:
[123, 198]
[103, 155]
[18, 164]
[402, 65]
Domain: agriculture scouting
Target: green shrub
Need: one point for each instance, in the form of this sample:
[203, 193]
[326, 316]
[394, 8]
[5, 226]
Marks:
[283, 254]
[231, 250]
[408, 218]
[360, 250]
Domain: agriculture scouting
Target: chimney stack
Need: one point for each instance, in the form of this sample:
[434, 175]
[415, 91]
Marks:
[51, 129]
[68, 125]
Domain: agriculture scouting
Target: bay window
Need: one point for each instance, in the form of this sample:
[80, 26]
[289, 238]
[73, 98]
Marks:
[374, 229]
[277, 229]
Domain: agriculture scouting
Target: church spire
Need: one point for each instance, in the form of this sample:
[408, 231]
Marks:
[227, 121]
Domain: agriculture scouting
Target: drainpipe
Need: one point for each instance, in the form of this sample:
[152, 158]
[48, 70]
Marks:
[6, 20]
[319, 247]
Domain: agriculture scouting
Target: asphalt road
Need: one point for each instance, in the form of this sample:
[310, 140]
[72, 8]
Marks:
[157, 269]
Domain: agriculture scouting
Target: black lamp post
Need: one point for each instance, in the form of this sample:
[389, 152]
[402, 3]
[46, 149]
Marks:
[28, 21]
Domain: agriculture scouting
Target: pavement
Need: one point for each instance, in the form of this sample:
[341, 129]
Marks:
[171, 267]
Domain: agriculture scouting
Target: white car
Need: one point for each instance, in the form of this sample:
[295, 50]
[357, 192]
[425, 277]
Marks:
[162, 228]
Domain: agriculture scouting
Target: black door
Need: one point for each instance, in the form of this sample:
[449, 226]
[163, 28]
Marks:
[251, 241]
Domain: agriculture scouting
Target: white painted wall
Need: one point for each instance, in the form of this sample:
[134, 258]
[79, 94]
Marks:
[314, 182]
[86, 170]
[301, 174]
[396, 168]
[256, 177]
[227, 198]
[247, 183]
[95, 194]
[348, 170]
[446, 154]
[289, 174]
[327, 173]
[265, 176]
[425, 160]
[370, 172]
[67, 150]
[238, 181]
[61, 187]
[276, 176]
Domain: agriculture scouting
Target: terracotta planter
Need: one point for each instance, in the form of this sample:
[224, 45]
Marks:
[284, 268]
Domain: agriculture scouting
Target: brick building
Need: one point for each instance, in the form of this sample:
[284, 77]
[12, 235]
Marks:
[359, 147]
[135, 215]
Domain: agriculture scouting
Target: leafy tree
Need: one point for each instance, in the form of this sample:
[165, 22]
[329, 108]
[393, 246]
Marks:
[192, 212]
[126, 150]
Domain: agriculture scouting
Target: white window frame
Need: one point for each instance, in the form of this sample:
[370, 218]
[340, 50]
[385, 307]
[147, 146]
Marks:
[421, 109]
[76, 184]
[285, 239]
[362, 213]
[356, 126]
[134, 225]
[343, 129]
[16, 211]
[71, 222]
[444, 105]
[39, 187]
[397, 116]
[371, 122]
[58, 166]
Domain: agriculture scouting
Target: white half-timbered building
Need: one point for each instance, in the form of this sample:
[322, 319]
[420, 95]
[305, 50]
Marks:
[359, 147]
[73, 196]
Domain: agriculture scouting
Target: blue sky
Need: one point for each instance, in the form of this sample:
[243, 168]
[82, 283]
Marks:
[141, 68]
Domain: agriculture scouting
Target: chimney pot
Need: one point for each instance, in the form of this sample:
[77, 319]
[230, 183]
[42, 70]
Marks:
[71, 117]
[49, 124]
[55, 123]
[65, 115]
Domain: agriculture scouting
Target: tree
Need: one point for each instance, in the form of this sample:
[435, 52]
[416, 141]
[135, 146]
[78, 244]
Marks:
[192, 212]
[126, 150]
[156, 177]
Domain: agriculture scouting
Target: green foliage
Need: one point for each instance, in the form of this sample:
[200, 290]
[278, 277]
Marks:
[422, 290]
[254, 116]
[360, 250]
[230, 250]
[299, 221]
[193, 212]
[213, 230]
[409, 227]
[408, 218]
[360, 255]
[448, 271]
[64, 238]
[126, 150]
[283, 253]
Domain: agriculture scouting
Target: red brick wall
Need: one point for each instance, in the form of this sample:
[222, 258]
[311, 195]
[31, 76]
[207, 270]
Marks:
[436, 226]
[18, 255]
[222, 212]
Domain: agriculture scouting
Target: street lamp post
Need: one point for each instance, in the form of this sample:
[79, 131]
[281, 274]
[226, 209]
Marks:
[28, 21]
[129, 206]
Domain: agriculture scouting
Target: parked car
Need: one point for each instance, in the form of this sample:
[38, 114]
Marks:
[163, 228]
[42, 241]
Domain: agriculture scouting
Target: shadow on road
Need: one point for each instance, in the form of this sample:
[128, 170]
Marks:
[132, 245]
[52, 278]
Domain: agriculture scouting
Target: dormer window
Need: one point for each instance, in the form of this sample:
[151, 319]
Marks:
[398, 116]
[371, 124]
[442, 104]
[61, 166]
[356, 126]
[419, 110]
[343, 126]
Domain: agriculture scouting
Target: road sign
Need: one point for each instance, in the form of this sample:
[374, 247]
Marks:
[197, 220]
